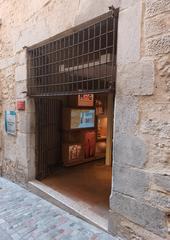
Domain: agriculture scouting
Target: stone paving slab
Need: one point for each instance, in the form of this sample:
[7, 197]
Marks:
[25, 216]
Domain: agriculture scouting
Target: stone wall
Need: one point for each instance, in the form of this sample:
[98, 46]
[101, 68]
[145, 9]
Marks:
[25, 23]
[140, 198]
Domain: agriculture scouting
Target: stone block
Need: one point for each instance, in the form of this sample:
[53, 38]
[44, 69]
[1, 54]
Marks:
[9, 169]
[129, 34]
[26, 122]
[136, 78]
[158, 45]
[123, 4]
[31, 140]
[10, 147]
[157, 25]
[156, 127]
[130, 181]
[21, 149]
[124, 228]
[148, 217]
[155, 7]
[31, 163]
[21, 89]
[162, 181]
[163, 68]
[130, 150]
[31, 35]
[7, 62]
[158, 198]
[87, 11]
[21, 73]
[126, 114]
[21, 58]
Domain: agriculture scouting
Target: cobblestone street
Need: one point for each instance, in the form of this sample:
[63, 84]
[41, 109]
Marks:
[24, 216]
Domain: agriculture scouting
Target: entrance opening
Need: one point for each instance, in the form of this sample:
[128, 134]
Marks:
[72, 79]
[74, 151]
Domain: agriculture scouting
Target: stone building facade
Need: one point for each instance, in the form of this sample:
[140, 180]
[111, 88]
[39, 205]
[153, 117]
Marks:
[140, 198]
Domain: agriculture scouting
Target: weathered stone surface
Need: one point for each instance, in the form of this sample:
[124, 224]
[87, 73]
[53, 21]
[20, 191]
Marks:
[130, 150]
[136, 78]
[130, 181]
[21, 73]
[163, 66]
[126, 114]
[10, 152]
[156, 127]
[87, 11]
[21, 58]
[155, 197]
[129, 34]
[44, 24]
[162, 181]
[140, 213]
[15, 171]
[31, 157]
[29, 36]
[158, 45]
[154, 7]
[26, 122]
[157, 25]
[21, 149]
[21, 89]
[129, 230]
[126, 4]
[7, 62]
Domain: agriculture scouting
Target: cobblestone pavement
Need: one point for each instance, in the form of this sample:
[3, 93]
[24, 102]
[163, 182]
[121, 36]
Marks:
[24, 216]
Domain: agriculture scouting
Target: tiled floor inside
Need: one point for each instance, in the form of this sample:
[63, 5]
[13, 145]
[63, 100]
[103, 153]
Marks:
[88, 184]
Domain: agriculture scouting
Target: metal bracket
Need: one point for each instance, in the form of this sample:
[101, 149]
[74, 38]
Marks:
[113, 10]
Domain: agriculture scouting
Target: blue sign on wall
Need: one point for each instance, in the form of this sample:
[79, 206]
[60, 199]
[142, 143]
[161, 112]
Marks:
[10, 122]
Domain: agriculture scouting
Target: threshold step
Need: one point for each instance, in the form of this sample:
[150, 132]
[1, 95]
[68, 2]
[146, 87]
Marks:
[78, 209]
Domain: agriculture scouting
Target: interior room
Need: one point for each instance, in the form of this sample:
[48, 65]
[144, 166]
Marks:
[75, 149]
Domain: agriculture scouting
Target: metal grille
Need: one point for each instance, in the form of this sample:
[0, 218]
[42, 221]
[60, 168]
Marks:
[78, 61]
[48, 136]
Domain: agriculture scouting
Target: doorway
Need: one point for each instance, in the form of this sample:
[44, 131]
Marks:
[72, 79]
[72, 150]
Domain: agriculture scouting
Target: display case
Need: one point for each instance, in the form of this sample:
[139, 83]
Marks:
[84, 130]
[75, 118]
[79, 136]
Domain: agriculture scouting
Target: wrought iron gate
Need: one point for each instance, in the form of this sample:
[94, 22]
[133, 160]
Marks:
[48, 135]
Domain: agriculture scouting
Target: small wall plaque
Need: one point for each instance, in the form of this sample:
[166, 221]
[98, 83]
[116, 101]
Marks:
[10, 122]
[21, 105]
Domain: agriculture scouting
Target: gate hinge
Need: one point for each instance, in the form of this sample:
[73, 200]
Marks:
[114, 11]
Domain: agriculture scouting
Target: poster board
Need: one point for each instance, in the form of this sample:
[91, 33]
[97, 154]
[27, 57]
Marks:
[89, 144]
[86, 100]
[82, 118]
[10, 122]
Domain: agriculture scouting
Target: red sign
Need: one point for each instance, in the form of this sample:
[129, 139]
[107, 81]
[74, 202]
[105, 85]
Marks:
[86, 100]
[20, 105]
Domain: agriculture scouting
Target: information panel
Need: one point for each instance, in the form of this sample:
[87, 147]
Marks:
[82, 118]
[10, 122]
